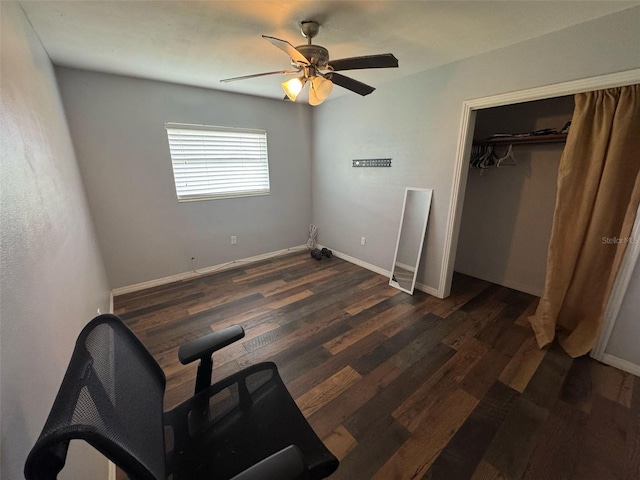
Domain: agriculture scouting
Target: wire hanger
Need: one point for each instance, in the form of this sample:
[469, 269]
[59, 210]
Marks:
[504, 161]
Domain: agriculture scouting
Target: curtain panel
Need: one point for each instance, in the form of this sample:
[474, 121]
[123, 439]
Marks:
[596, 204]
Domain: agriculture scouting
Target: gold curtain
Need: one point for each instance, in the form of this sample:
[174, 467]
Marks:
[596, 204]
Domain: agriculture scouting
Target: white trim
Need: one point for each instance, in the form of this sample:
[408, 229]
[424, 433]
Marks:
[621, 364]
[465, 136]
[203, 271]
[360, 263]
[465, 140]
[404, 266]
[381, 271]
[112, 471]
[618, 291]
[611, 80]
[236, 263]
[209, 128]
[111, 301]
[427, 289]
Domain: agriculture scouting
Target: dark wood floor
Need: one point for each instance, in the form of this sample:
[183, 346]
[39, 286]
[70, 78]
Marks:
[400, 386]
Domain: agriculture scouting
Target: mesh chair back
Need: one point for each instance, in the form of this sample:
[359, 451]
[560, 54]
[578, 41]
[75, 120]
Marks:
[111, 397]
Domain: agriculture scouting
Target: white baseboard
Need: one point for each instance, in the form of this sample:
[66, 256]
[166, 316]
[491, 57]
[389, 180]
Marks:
[236, 263]
[621, 364]
[427, 289]
[112, 471]
[203, 271]
[359, 262]
[419, 286]
[409, 268]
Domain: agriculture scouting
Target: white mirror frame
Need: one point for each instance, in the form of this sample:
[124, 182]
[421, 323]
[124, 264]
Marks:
[392, 281]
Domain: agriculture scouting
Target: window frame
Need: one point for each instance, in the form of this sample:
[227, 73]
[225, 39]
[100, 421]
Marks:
[262, 162]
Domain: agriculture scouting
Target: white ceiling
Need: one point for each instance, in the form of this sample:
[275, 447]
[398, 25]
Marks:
[200, 42]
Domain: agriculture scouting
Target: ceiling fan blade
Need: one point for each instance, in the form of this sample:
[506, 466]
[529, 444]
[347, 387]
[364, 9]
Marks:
[350, 84]
[245, 77]
[289, 49]
[384, 60]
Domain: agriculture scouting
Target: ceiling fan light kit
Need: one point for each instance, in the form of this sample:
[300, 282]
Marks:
[293, 87]
[318, 70]
[319, 90]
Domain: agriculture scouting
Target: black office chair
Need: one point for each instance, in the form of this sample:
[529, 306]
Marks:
[245, 427]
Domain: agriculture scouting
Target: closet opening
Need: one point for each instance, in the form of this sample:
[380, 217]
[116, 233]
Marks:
[510, 192]
[457, 236]
[470, 109]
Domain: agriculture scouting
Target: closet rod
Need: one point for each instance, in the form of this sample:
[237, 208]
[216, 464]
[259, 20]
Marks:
[525, 139]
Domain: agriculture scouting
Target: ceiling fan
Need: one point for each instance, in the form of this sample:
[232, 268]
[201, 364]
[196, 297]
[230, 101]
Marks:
[316, 69]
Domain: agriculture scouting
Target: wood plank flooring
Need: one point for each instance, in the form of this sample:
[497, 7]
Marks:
[400, 386]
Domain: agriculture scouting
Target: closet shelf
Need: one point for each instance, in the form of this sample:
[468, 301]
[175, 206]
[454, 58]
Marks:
[524, 139]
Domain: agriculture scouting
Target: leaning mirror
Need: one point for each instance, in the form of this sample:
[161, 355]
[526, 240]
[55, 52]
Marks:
[413, 227]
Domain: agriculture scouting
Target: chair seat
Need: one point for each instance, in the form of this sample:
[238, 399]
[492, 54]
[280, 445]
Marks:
[251, 416]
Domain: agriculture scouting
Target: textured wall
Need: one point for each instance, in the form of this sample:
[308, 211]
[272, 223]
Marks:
[117, 125]
[416, 121]
[52, 276]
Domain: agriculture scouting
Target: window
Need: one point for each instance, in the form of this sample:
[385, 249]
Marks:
[218, 162]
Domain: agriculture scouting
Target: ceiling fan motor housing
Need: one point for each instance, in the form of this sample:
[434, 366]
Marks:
[309, 28]
[316, 54]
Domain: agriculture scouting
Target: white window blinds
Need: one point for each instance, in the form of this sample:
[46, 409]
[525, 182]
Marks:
[218, 162]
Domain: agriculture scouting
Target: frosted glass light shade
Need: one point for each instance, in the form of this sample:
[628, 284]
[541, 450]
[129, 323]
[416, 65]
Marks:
[320, 90]
[293, 87]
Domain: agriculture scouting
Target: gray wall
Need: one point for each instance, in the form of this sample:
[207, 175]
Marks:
[117, 125]
[52, 277]
[623, 342]
[416, 121]
[508, 212]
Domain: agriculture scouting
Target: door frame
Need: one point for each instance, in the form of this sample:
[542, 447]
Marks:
[465, 141]
[618, 291]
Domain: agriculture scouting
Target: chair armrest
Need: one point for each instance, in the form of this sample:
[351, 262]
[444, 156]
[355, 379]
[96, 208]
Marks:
[204, 346]
[287, 464]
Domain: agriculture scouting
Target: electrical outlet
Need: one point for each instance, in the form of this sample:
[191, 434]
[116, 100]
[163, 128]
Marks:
[234, 240]
[363, 241]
